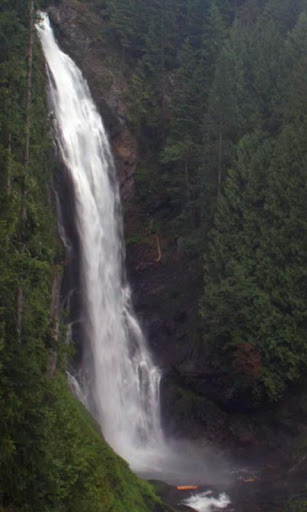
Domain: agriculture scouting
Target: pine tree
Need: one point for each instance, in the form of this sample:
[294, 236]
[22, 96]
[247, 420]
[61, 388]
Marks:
[253, 298]
[296, 47]
[223, 122]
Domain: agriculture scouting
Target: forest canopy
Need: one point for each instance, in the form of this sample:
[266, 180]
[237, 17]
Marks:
[218, 104]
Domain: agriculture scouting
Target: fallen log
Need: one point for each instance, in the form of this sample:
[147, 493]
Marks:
[187, 487]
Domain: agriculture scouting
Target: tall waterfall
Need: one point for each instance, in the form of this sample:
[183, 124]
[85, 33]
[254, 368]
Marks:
[124, 395]
[125, 380]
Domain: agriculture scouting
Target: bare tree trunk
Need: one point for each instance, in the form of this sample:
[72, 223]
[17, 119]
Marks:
[9, 147]
[55, 322]
[219, 171]
[123, 58]
[19, 312]
[163, 57]
[187, 183]
[28, 107]
[163, 68]
[188, 192]
[20, 294]
[8, 180]
[158, 259]
[55, 306]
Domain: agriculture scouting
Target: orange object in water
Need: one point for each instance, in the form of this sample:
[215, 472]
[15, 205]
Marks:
[248, 480]
[187, 487]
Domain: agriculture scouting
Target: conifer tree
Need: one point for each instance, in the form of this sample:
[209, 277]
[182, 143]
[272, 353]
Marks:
[251, 318]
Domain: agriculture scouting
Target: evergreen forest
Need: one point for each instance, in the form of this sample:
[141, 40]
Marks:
[217, 101]
[218, 104]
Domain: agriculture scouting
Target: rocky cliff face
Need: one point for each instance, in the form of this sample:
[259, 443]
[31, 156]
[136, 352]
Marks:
[164, 291]
[165, 283]
[80, 32]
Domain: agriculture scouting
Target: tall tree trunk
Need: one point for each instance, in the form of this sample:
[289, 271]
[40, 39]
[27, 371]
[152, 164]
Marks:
[28, 106]
[55, 322]
[219, 169]
[55, 306]
[20, 294]
[163, 67]
[187, 182]
[19, 312]
[158, 259]
[188, 192]
[122, 65]
[9, 147]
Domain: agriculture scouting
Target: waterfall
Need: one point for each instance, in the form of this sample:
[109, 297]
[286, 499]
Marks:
[125, 390]
[122, 386]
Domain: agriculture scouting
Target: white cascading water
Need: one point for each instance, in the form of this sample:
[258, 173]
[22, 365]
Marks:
[125, 390]
[126, 382]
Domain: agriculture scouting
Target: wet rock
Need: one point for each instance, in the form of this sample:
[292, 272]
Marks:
[78, 30]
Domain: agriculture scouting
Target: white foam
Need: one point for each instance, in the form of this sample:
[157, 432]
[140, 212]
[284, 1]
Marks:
[206, 502]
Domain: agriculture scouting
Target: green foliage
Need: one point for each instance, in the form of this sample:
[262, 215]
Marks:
[52, 455]
[297, 504]
[217, 101]
[254, 293]
[61, 462]
[253, 301]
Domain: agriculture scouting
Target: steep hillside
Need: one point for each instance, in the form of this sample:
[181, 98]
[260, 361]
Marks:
[205, 105]
[206, 114]
[52, 456]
